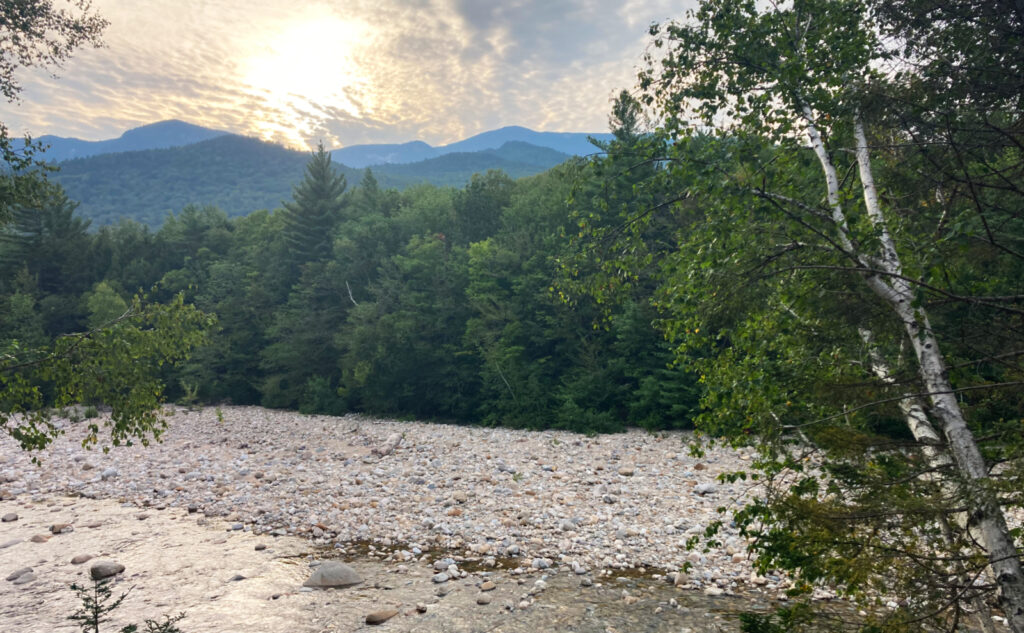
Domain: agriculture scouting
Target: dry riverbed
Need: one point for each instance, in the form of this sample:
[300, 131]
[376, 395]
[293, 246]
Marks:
[574, 532]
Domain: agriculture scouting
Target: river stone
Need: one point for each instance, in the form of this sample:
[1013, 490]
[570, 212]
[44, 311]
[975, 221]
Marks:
[24, 579]
[105, 569]
[380, 617]
[81, 558]
[483, 599]
[14, 575]
[333, 574]
[705, 488]
[9, 517]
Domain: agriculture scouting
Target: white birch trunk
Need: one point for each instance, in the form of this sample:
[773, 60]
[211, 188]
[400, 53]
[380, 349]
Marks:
[931, 445]
[986, 514]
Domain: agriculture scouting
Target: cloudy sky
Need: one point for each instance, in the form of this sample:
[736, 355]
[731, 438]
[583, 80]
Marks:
[346, 71]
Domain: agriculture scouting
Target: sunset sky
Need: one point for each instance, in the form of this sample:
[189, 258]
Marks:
[346, 71]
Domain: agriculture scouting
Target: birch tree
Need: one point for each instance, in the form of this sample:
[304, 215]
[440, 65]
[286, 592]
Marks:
[842, 277]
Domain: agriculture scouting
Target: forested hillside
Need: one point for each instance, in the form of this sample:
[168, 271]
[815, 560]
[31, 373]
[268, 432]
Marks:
[239, 174]
[434, 302]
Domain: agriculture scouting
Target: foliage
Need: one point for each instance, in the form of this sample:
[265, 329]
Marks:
[34, 33]
[815, 312]
[96, 607]
[118, 364]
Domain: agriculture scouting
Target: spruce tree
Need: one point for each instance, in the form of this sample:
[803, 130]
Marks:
[313, 214]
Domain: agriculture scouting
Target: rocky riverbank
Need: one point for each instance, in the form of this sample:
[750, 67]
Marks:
[587, 511]
[536, 499]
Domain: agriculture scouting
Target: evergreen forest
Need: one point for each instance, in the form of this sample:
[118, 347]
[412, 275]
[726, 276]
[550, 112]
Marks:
[433, 302]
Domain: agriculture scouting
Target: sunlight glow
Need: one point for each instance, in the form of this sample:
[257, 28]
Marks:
[307, 66]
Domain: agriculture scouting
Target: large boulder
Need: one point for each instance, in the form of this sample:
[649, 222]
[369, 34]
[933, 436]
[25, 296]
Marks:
[105, 569]
[333, 574]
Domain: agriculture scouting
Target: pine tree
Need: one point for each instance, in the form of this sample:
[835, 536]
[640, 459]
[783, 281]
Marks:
[313, 214]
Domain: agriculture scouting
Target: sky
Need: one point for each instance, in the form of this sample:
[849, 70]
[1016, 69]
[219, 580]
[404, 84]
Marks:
[346, 71]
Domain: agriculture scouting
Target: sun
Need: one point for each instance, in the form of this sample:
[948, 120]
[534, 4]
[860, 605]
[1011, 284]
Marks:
[308, 65]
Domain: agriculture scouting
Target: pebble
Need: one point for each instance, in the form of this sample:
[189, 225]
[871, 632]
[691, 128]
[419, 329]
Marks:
[10, 543]
[81, 558]
[260, 547]
[62, 528]
[19, 572]
[487, 585]
[9, 517]
[483, 599]
[40, 538]
[380, 617]
[440, 577]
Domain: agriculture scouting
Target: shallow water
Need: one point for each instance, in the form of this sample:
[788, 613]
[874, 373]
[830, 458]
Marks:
[179, 562]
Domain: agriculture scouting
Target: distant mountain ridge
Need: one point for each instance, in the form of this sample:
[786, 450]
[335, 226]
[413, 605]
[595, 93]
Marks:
[569, 143]
[160, 135]
[174, 133]
[240, 175]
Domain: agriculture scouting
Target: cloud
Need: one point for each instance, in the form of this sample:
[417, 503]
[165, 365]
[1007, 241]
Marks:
[381, 71]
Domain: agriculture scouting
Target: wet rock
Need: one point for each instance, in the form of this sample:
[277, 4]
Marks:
[333, 574]
[443, 564]
[105, 569]
[24, 579]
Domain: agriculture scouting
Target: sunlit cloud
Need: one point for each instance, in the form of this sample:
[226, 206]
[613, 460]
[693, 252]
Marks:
[346, 72]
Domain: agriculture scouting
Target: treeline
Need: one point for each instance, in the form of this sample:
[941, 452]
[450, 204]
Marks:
[433, 302]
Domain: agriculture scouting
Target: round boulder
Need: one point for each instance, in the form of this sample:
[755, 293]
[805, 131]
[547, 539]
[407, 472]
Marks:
[333, 574]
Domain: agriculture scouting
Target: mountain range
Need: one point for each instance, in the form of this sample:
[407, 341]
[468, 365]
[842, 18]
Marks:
[152, 171]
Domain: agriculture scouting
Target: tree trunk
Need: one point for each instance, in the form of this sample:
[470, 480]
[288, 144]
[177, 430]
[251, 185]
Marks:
[986, 513]
[986, 516]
